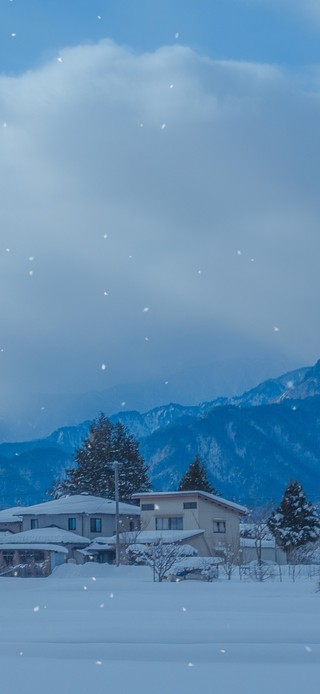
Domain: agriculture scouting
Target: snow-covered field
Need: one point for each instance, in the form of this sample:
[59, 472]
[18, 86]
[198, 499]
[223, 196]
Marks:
[97, 629]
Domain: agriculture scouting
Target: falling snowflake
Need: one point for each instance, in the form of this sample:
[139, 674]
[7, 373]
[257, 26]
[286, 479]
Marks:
[171, 86]
[190, 664]
[199, 272]
[99, 16]
[141, 125]
[163, 126]
[111, 595]
[21, 653]
[36, 608]
[146, 309]
[222, 650]
[252, 260]
[59, 59]
[146, 339]
[7, 250]
[4, 125]
[176, 36]
[166, 383]
[31, 258]
[98, 662]
[85, 587]
[103, 367]
[308, 649]
[30, 273]
[13, 34]
[102, 605]
[276, 329]
[123, 403]
[184, 609]
[105, 236]
[239, 252]
[105, 294]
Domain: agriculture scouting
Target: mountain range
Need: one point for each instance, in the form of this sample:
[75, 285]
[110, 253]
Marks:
[252, 444]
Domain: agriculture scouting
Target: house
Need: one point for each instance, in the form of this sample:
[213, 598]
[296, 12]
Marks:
[83, 514]
[218, 519]
[36, 552]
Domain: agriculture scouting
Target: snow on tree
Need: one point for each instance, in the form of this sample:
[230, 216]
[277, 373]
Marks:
[196, 478]
[296, 521]
[160, 556]
[94, 470]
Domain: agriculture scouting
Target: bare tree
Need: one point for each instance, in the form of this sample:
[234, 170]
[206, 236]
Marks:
[258, 531]
[230, 557]
[160, 556]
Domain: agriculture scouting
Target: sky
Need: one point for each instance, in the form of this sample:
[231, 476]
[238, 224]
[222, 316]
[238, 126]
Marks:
[160, 167]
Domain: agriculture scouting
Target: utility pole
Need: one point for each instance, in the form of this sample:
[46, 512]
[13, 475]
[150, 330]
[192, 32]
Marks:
[116, 496]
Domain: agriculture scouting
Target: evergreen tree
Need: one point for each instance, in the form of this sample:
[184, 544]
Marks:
[295, 522]
[94, 471]
[196, 478]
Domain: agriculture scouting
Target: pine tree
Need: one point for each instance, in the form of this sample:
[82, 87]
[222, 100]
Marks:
[94, 470]
[295, 522]
[196, 478]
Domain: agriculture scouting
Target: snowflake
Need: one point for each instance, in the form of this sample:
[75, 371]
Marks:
[276, 329]
[163, 126]
[103, 367]
[176, 36]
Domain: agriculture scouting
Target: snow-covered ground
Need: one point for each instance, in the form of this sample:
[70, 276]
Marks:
[97, 629]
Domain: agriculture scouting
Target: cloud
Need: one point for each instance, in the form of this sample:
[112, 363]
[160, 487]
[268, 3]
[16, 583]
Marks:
[133, 180]
[310, 9]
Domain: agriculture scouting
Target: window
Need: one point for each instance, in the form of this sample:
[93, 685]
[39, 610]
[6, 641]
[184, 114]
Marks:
[95, 525]
[131, 525]
[72, 523]
[175, 523]
[190, 504]
[147, 507]
[219, 526]
[34, 523]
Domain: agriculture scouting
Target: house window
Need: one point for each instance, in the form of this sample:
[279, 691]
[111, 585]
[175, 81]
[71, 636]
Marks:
[174, 523]
[147, 507]
[219, 526]
[34, 523]
[190, 504]
[72, 523]
[95, 525]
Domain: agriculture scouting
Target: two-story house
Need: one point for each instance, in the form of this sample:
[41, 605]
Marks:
[217, 518]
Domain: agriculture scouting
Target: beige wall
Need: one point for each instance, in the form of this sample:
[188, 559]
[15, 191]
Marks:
[202, 517]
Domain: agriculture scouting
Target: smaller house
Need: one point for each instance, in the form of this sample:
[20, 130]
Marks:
[36, 552]
[215, 518]
[83, 514]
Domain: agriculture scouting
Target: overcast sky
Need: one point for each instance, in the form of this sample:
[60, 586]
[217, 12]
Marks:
[160, 168]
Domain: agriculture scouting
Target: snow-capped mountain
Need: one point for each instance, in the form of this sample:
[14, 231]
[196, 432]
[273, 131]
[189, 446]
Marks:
[251, 444]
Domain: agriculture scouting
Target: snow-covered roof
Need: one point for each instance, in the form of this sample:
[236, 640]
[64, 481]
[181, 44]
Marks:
[46, 535]
[149, 536]
[80, 503]
[11, 515]
[35, 546]
[209, 497]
